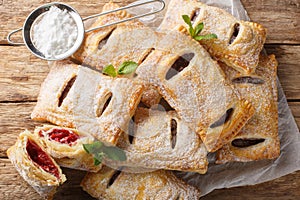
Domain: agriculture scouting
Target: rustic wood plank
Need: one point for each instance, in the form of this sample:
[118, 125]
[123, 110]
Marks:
[280, 17]
[284, 188]
[21, 73]
[12, 186]
[288, 57]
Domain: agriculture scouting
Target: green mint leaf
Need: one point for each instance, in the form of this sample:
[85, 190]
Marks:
[187, 20]
[199, 28]
[109, 70]
[192, 31]
[96, 161]
[94, 147]
[115, 153]
[127, 67]
[205, 37]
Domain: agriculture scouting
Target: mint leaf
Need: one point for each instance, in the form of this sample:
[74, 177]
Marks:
[199, 28]
[187, 20]
[109, 70]
[99, 151]
[127, 67]
[205, 37]
[114, 153]
[97, 162]
[94, 147]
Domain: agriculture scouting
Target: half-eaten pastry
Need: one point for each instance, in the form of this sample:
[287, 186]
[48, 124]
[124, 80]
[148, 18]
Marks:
[65, 145]
[110, 184]
[35, 165]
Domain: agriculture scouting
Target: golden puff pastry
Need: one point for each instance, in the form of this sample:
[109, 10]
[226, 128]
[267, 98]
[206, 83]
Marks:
[259, 138]
[109, 184]
[195, 86]
[115, 44]
[77, 97]
[239, 42]
[96, 39]
[35, 165]
[161, 140]
[65, 145]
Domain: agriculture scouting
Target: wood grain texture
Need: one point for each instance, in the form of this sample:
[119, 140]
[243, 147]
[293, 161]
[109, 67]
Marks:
[12, 186]
[21, 73]
[280, 17]
[284, 188]
[288, 57]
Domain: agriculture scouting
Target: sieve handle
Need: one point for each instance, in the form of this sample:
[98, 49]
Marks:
[124, 8]
[10, 34]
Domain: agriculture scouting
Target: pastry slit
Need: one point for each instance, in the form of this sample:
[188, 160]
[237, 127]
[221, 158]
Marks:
[236, 30]
[104, 40]
[165, 105]
[131, 130]
[246, 142]
[180, 64]
[248, 79]
[101, 109]
[66, 90]
[113, 178]
[195, 14]
[173, 132]
[223, 119]
[147, 54]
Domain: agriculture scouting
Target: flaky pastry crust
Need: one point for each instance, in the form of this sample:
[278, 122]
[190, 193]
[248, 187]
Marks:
[150, 185]
[239, 42]
[259, 138]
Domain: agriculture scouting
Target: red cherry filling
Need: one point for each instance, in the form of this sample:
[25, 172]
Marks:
[38, 156]
[63, 136]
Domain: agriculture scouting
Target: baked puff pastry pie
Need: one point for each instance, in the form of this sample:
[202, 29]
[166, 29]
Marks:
[96, 39]
[65, 145]
[161, 140]
[116, 44]
[259, 138]
[77, 97]
[194, 85]
[109, 184]
[35, 165]
[102, 47]
[239, 42]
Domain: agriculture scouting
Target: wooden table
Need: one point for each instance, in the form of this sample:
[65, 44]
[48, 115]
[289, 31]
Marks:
[21, 75]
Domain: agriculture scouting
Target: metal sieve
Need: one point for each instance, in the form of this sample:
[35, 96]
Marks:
[40, 11]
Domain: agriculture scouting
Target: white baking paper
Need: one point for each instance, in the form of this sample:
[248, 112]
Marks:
[250, 173]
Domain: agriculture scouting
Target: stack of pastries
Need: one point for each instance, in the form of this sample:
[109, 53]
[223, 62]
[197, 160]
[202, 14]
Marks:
[186, 98]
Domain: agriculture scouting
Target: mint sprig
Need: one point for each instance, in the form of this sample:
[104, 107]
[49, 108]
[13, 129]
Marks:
[100, 151]
[194, 32]
[126, 67]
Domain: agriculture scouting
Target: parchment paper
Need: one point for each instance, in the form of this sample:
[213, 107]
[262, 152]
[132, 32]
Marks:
[250, 173]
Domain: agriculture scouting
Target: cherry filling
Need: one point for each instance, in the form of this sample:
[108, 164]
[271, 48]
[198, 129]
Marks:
[63, 136]
[38, 156]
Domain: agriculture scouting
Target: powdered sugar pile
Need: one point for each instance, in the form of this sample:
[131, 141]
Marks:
[55, 33]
